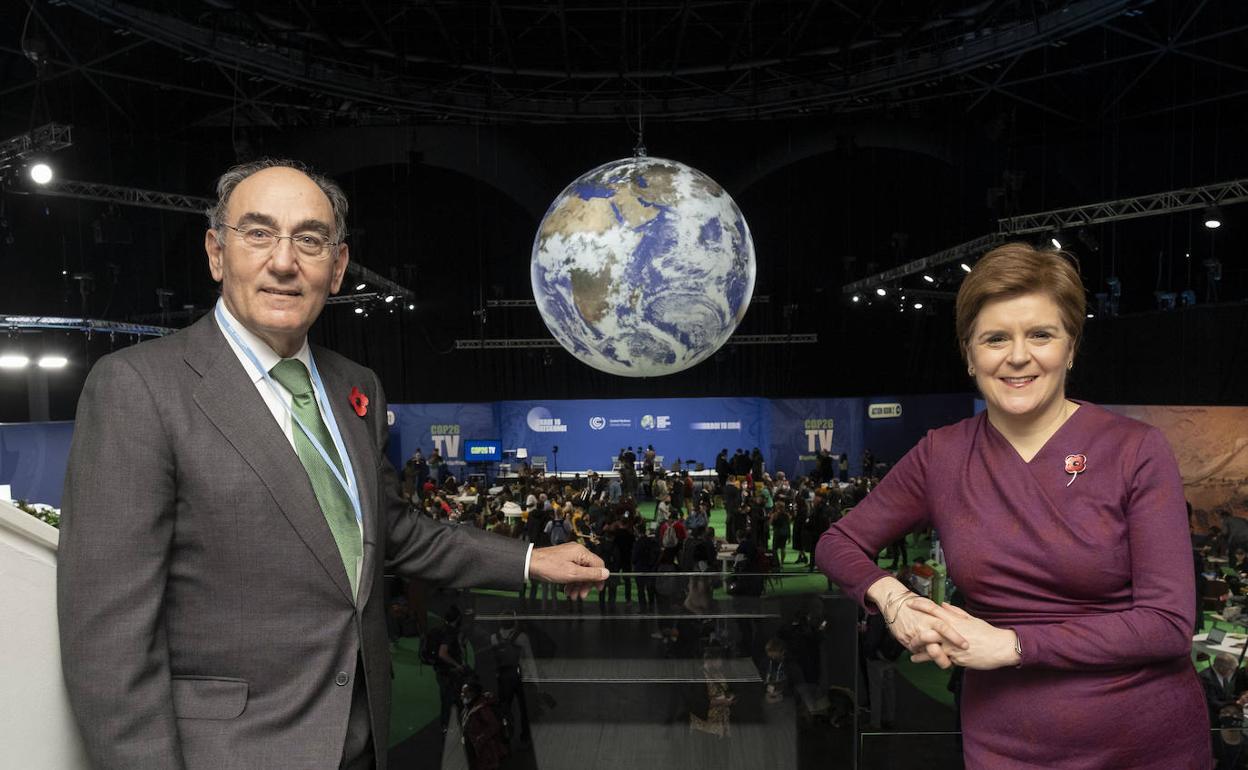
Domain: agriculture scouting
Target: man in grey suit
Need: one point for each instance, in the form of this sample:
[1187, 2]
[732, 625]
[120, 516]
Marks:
[229, 512]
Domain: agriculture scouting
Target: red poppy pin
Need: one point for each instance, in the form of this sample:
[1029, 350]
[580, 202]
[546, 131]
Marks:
[1075, 464]
[359, 401]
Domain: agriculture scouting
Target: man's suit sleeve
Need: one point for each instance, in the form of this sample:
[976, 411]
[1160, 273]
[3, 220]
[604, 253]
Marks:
[419, 547]
[116, 531]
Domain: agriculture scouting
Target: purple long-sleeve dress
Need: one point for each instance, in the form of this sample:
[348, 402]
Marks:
[1094, 575]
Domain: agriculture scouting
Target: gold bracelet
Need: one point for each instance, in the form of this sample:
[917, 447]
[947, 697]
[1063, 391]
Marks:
[897, 597]
[888, 622]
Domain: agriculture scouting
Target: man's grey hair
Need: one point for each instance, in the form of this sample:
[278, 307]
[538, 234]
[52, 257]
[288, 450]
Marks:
[231, 179]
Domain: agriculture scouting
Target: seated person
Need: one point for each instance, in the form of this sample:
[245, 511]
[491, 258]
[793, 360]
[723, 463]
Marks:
[1225, 685]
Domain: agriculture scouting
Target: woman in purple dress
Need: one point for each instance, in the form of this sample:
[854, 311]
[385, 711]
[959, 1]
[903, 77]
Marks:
[1064, 526]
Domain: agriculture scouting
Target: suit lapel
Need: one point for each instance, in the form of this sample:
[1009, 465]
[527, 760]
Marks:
[355, 434]
[228, 398]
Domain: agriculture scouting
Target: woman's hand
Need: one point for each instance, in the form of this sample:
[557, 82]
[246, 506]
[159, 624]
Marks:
[989, 647]
[927, 630]
[918, 623]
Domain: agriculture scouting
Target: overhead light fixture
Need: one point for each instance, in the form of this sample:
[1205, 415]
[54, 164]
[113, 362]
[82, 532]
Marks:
[918, 306]
[881, 291]
[13, 361]
[928, 278]
[389, 298]
[359, 311]
[1056, 243]
[411, 306]
[966, 268]
[53, 362]
[40, 173]
[1091, 315]
[855, 298]
[361, 286]
[1213, 217]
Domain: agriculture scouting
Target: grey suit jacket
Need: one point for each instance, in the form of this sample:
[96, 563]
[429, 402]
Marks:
[205, 614]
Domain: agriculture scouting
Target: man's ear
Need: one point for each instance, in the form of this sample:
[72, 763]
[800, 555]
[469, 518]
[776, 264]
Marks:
[340, 268]
[216, 255]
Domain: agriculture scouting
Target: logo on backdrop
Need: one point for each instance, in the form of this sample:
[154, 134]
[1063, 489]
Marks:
[446, 440]
[882, 411]
[725, 425]
[541, 421]
[818, 437]
[651, 422]
[597, 423]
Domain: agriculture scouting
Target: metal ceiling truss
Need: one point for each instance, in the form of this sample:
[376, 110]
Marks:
[190, 204]
[88, 325]
[1123, 209]
[1172, 202]
[765, 73]
[47, 138]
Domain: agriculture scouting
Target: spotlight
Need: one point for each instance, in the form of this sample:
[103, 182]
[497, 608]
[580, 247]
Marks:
[918, 306]
[40, 173]
[361, 286]
[389, 298]
[966, 268]
[13, 361]
[1213, 217]
[882, 292]
[359, 311]
[928, 278]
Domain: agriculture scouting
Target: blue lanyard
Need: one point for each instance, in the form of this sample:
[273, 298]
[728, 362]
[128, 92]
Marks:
[348, 481]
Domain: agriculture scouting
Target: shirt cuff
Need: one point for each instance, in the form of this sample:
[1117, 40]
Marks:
[527, 555]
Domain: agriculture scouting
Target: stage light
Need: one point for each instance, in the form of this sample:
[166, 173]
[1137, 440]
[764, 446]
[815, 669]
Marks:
[359, 311]
[928, 278]
[1213, 217]
[361, 286]
[918, 306]
[40, 173]
[411, 306]
[1091, 315]
[855, 298]
[1056, 243]
[13, 361]
[53, 362]
[881, 291]
[966, 268]
[389, 298]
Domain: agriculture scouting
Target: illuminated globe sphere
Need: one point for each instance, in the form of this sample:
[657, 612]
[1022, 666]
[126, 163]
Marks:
[643, 267]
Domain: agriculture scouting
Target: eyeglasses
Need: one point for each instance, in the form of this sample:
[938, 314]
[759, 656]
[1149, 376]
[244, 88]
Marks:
[262, 241]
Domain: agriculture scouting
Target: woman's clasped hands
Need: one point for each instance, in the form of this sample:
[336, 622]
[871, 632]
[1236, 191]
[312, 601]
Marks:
[942, 633]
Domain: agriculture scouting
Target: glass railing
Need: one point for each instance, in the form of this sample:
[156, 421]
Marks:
[757, 670]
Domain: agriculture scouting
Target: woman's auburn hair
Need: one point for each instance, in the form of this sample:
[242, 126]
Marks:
[1015, 269]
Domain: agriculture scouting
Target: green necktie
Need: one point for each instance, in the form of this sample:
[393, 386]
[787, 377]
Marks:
[335, 504]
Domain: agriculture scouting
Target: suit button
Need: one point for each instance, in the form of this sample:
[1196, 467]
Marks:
[342, 679]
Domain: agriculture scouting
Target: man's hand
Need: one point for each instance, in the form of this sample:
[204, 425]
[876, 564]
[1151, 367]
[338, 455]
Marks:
[570, 564]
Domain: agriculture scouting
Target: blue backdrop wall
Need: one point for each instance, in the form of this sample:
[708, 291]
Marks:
[33, 457]
[590, 433]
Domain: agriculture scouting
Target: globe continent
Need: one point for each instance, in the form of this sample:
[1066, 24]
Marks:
[643, 267]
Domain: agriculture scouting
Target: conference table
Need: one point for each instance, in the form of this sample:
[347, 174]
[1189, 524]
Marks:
[1232, 645]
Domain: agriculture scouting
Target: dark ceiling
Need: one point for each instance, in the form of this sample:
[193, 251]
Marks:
[855, 135]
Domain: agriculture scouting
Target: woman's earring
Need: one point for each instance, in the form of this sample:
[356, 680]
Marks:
[1070, 365]
[970, 370]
